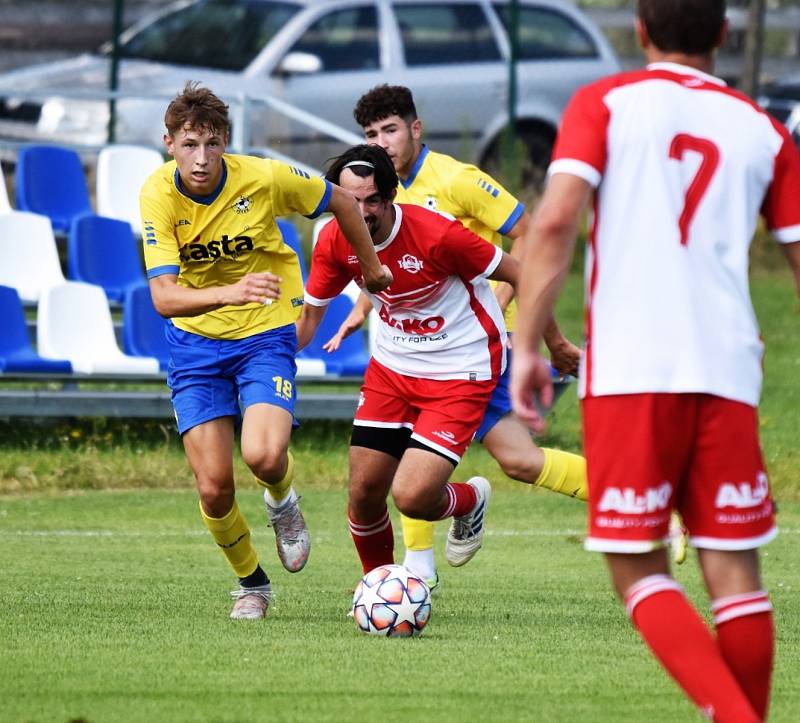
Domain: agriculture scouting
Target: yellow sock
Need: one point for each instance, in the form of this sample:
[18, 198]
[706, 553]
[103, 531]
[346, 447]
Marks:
[565, 473]
[232, 534]
[279, 490]
[417, 534]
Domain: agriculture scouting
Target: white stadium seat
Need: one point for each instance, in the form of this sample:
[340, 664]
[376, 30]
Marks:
[5, 204]
[29, 254]
[121, 172]
[74, 323]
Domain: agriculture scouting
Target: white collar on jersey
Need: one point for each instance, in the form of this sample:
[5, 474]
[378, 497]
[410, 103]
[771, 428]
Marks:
[398, 219]
[686, 70]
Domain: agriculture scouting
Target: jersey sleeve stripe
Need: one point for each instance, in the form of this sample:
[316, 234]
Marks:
[786, 235]
[162, 270]
[512, 219]
[314, 301]
[494, 263]
[322, 206]
[574, 167]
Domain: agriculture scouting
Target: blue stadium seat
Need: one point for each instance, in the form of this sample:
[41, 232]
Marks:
[143, 326]
[16, 352]
[352, 357]
[50, 181]
[292, 240]
[103, 251]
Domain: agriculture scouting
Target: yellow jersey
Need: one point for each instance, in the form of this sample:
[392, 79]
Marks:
[215, 240]
[442, 183]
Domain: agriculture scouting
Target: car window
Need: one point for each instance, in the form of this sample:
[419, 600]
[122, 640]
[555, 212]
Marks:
[224, 34]
[545, 33]
[344, 39]
[445, 34]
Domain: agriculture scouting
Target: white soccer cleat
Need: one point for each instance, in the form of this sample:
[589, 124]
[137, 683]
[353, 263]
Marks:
[291, 534]
[251, 602]
[677, 538]
[465, 536]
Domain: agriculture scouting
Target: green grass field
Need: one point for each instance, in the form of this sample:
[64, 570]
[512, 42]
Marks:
[113, 598]
[115, 609]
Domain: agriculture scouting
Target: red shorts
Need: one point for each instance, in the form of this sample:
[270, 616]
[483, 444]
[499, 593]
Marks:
[443, 414]
[649, 453]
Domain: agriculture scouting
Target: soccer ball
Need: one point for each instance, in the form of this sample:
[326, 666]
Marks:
[391, 601]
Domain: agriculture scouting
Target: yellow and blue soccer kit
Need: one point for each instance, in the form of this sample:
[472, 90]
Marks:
[235, 352]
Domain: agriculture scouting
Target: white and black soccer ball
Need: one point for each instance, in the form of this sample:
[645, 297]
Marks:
[391, 601]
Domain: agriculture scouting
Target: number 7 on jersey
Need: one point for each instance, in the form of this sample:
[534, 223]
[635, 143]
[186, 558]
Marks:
[694, 194]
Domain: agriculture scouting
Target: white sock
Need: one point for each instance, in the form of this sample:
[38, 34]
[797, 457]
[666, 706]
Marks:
[274, 504]
[421, 562]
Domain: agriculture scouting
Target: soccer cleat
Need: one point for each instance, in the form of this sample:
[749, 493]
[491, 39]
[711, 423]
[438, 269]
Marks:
[251, 602]
[466, 533]
[433, 583]
[677, 538]
[291, 534]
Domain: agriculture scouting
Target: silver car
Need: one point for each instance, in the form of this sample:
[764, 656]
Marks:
[319, 56]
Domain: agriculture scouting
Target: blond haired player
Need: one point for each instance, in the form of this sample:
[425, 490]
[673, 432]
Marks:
[219, 270]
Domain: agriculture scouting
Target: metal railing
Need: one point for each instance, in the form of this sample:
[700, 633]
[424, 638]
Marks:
[244, 106]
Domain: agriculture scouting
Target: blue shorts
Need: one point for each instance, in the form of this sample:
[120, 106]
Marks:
[209, 378]
[499, 404]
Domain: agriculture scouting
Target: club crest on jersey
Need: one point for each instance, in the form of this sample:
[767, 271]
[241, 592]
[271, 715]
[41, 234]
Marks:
[243, 205]
[410, 263]
[430, 202]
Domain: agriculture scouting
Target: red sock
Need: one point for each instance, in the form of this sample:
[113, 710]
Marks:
[461, 499]
[374, 541]
[746, 637]
[684, 645]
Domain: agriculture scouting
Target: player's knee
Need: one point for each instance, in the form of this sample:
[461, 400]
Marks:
[412, 504]
[367, 496]
[519, 468]
[216, 496]
[269, 465]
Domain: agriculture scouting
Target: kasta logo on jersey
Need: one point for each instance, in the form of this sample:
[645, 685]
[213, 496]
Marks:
[230, 248]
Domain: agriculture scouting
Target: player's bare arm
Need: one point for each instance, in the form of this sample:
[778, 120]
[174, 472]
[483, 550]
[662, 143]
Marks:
[565, 357]
[354, 321]
[171, 300]
[504, 292]
[792, 252]
[507, 270]
[345, 209]
[308, 323]
[550, 245]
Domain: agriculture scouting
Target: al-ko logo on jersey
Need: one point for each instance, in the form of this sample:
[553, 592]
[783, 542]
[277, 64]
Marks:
[418, 327]
[225, 248]
[410, 263]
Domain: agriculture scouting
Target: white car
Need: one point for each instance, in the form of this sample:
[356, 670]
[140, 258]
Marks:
[320, 56]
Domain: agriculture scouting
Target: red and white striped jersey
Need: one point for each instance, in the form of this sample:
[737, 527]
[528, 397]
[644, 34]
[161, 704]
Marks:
[682, 166]
[439, 318]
